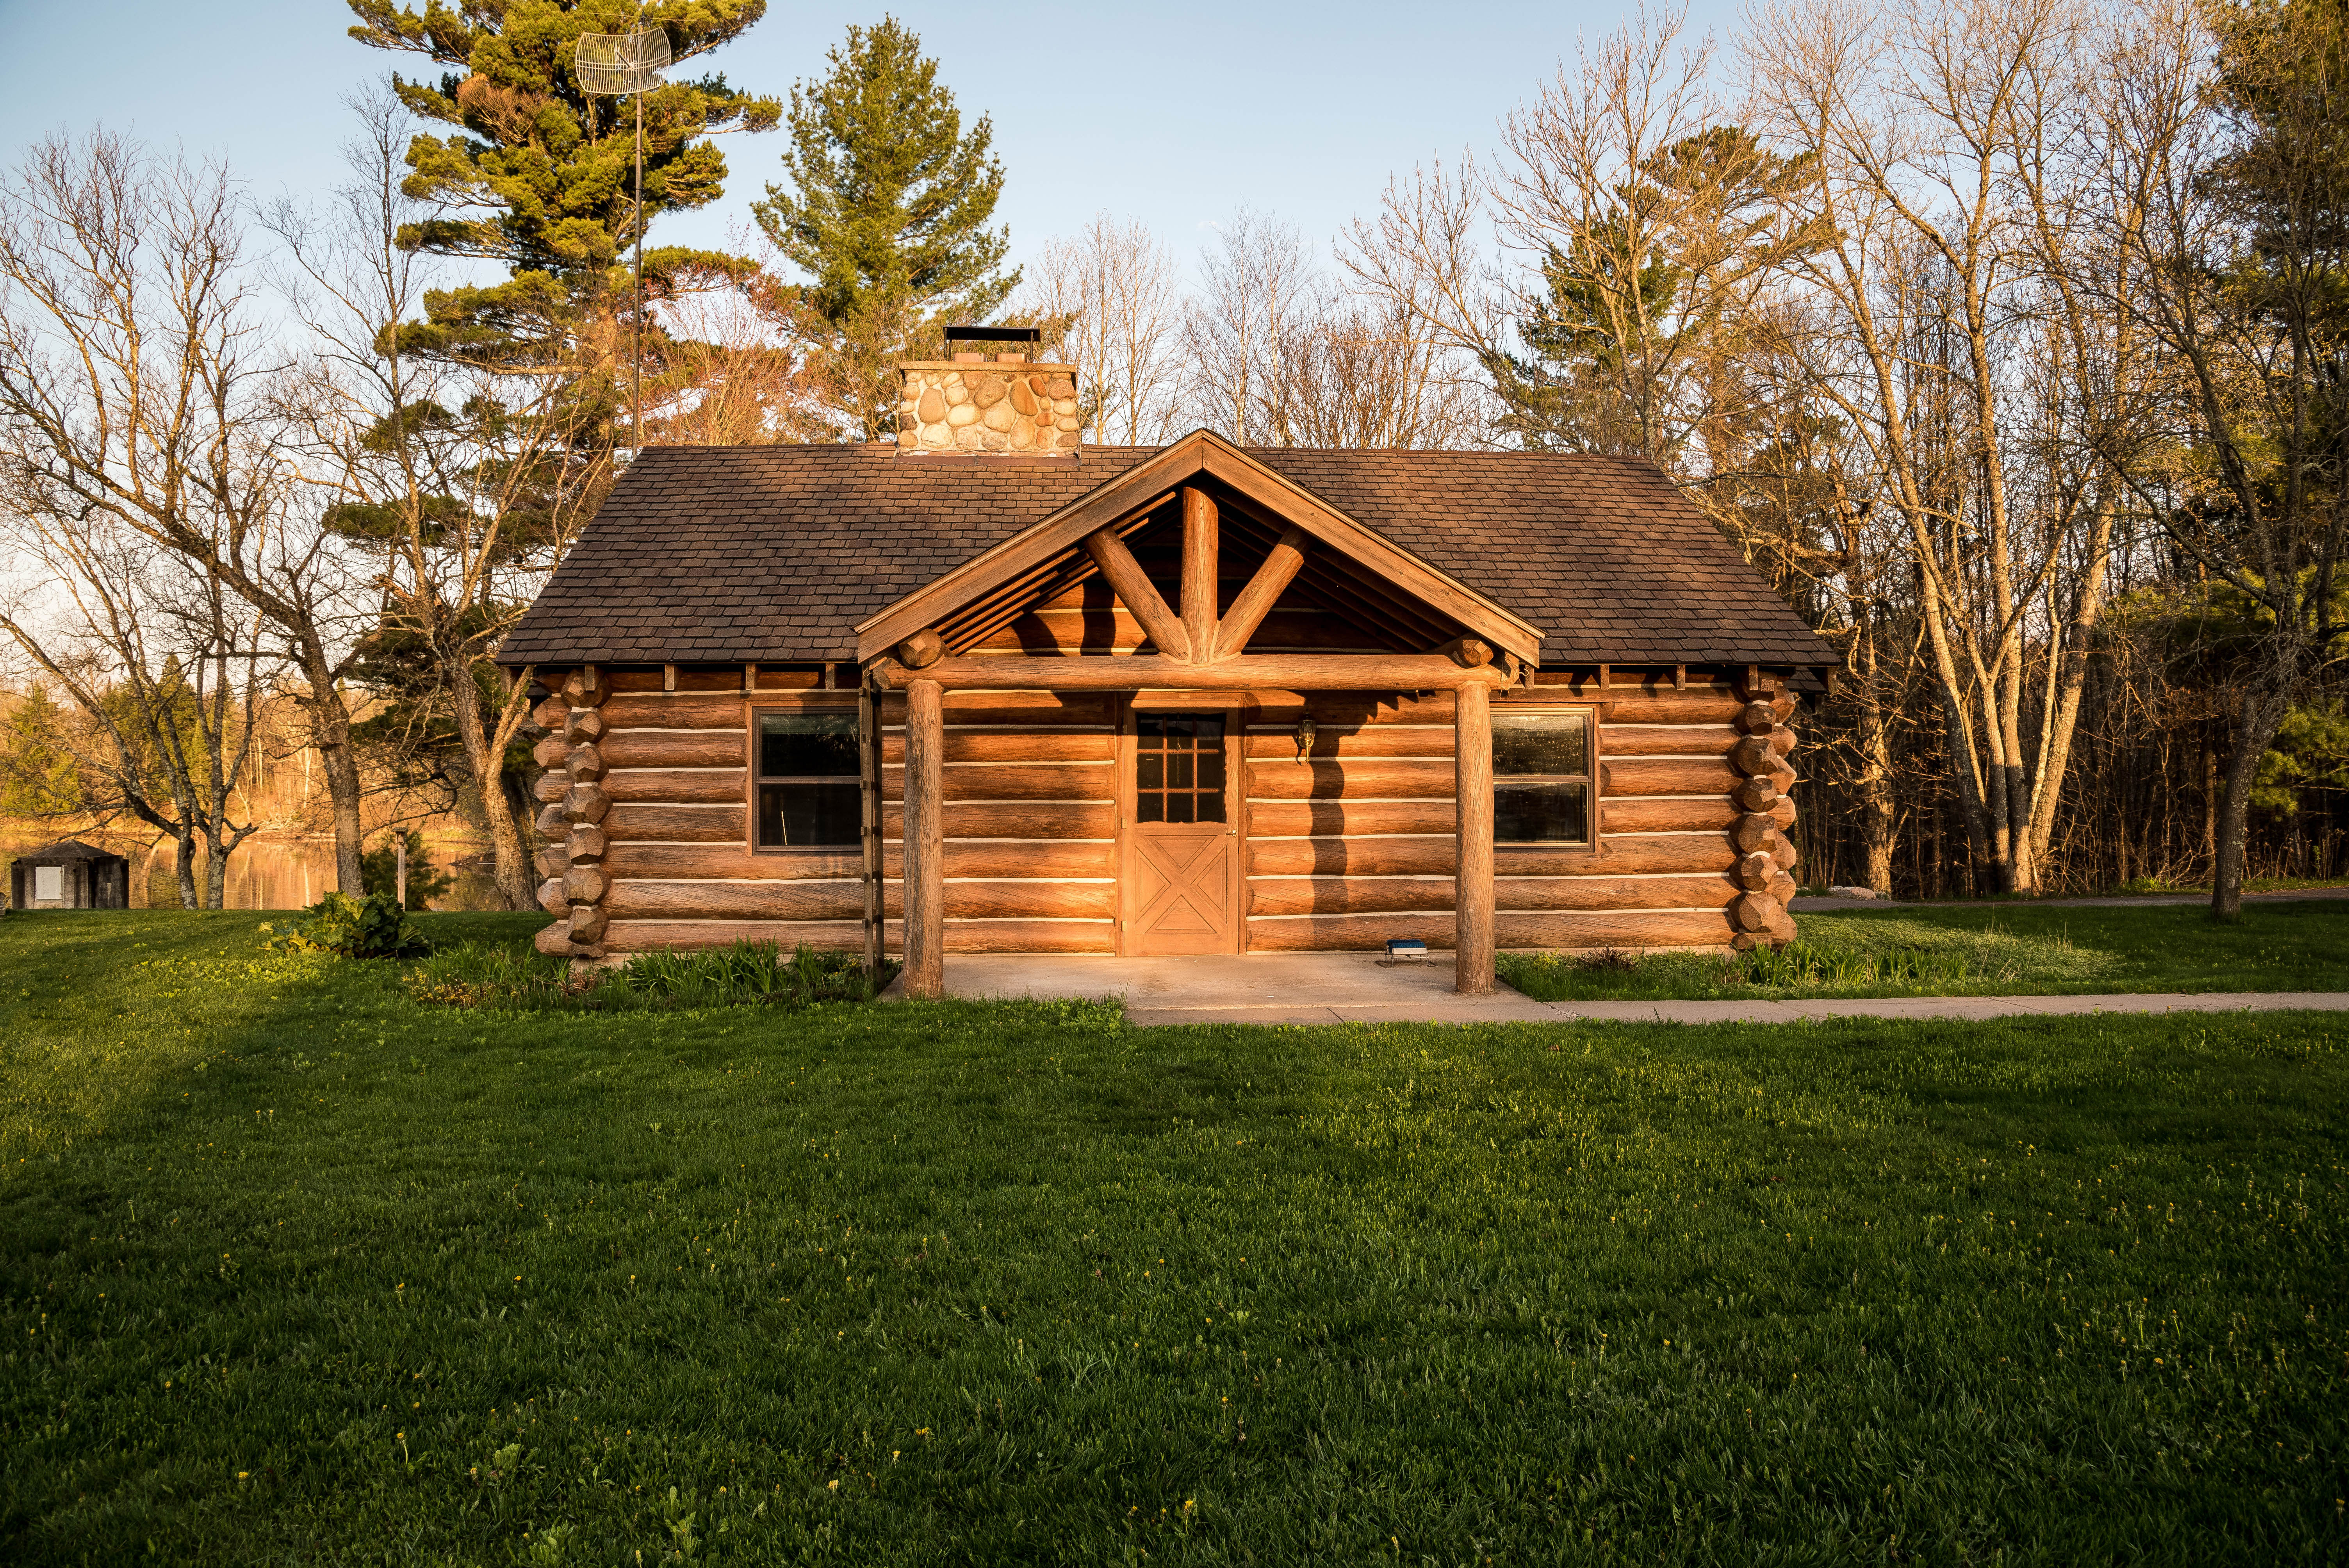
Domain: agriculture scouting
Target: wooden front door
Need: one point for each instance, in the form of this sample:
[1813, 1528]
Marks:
[1182, 884]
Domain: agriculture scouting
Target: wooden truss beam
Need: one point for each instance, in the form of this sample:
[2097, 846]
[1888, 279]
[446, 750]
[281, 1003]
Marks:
[1290, 672]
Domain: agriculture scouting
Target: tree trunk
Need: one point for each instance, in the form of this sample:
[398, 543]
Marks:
[485, 760]
[2056, 760]
[186, 866]
[330, 733]
[2260, 717]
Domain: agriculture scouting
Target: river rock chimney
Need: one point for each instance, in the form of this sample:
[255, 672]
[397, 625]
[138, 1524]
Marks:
[982, 404]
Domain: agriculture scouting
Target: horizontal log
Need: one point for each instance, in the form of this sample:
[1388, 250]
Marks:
[1015, 899]
[657, 936]
[1341, 818]
[1639, 704]
[735, 901]
[548, 713]
[1369, 895]
[552, 786]
[684, 862]
[1668, 776]
[1033, 857]
[845, 901]
[1032, 709]
[1344, 710]
[1666, 740]
[1293, 672]
[1628, 928]
[1682, 814]
[1018, 936]
[637, 819]
[1348, 743]
[1403, 778]
[983, 745]
[679, 785]
[1014, 781]
[1347, 932]
[1012, 820]
[550, 751]
[673, 748]
[1688, 853]
[653, 710]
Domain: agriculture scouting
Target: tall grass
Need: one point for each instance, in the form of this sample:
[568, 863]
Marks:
[499, 977]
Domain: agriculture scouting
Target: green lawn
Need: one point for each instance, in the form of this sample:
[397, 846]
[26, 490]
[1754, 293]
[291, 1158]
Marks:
[2002, 949]
[294, 1269]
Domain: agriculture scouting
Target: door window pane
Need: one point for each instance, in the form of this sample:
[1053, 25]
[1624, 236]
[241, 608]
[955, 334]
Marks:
[809, 792]
[1178, 769]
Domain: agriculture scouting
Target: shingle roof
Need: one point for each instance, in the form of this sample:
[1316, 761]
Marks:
[773, 554]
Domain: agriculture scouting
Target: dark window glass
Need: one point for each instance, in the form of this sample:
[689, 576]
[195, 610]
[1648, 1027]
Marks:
[1541, 778]
[1178, 771]
[807, 745]
[1540, 814]
[809, 796]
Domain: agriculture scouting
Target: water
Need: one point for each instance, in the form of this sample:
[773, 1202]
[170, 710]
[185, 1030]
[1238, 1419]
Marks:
[276, 872]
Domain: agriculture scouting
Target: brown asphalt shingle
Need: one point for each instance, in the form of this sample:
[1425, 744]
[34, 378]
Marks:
[773, 554]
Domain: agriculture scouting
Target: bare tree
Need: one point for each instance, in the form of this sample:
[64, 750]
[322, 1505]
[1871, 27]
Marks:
[466, 480]
[1115, 286]
[1238, 332]
[2232, 222]
[165, 674]
[128, 397]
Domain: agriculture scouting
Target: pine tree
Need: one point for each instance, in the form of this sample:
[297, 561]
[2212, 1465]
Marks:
[39, 776]
[546, 170]
[886, 211]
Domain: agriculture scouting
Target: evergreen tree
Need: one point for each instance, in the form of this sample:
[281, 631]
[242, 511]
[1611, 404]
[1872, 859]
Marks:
[886, 211]
[540, 174]
[39, 776]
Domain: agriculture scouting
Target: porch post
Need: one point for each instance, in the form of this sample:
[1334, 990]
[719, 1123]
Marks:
[925, 891]
[1472, 889]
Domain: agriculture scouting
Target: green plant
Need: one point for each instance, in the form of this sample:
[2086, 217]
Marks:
[748, 974]
[372, 927]
[379, 871]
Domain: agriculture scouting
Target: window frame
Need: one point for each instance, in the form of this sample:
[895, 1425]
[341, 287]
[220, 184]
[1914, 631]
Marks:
[796, 704]
[1594, 716]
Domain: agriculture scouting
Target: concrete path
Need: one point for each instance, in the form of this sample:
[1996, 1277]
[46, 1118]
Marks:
[1822, 903]
[1359, 988]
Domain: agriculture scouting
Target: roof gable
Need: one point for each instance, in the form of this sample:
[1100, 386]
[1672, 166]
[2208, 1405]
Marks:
[1032, 559]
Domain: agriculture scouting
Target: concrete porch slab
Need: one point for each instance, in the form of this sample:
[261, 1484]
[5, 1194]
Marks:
[1256, 988]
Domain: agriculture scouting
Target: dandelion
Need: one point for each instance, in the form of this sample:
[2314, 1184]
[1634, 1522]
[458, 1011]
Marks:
[832, 1485]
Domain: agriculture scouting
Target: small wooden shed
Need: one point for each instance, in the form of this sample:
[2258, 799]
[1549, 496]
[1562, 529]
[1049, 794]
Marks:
[949, 695]
[69, 874]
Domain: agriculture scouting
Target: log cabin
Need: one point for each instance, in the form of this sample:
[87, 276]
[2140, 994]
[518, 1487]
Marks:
[985, 688]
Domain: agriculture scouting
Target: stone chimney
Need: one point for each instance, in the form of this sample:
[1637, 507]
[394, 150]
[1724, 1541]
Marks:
[982, 404]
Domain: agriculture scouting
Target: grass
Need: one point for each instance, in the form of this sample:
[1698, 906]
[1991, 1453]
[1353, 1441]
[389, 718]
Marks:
[506, 976]
[296, 1268]
[2002, 950]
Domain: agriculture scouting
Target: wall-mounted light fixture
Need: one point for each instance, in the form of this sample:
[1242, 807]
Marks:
[1304, 738]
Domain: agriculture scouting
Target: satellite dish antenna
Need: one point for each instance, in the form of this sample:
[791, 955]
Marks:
[628, 64]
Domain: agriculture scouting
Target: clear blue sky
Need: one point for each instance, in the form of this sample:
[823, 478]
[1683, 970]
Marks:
[1178, 116]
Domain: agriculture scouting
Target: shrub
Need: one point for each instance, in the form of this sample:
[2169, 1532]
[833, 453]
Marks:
[373, 927]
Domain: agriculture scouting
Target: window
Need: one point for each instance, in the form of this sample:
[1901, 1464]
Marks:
[1541, 778]
[1178, 767]
[809, 792]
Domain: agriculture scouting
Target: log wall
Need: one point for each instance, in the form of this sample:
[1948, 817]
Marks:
[1353, 843]
[1345, 848]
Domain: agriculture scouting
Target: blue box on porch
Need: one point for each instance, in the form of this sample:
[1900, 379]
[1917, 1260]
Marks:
[1406, 947]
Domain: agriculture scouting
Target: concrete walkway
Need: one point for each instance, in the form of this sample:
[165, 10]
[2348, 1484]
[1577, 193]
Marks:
[1358, 988]
[1820, 903]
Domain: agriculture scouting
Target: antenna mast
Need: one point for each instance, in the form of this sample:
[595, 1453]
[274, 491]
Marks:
[628, 64]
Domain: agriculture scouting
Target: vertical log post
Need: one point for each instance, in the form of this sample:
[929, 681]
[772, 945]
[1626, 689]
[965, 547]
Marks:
[1471, 893]
[868, 767]
[926, 889]
[1199, 550]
